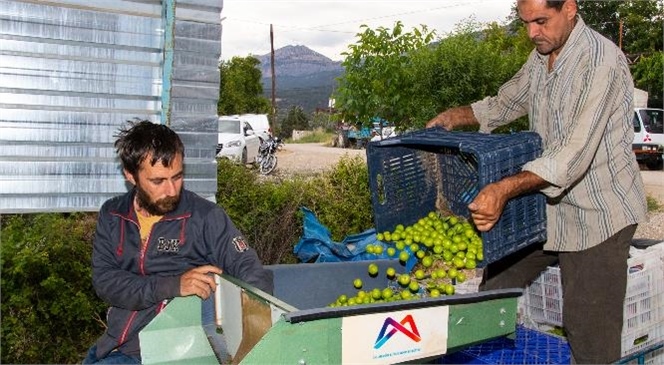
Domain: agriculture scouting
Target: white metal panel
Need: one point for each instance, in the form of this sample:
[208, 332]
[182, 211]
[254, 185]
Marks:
[73, 71]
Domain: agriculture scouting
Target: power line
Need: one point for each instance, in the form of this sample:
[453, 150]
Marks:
[290, 27]
[402, 13]
[318, 28]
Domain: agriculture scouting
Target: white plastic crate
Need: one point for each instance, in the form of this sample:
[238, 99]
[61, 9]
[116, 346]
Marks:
[644, 293]
[544, 298]
[643, 316]
[641, 338]
[655, 358]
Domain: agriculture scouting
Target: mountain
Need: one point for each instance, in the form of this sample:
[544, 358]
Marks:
[304, 77]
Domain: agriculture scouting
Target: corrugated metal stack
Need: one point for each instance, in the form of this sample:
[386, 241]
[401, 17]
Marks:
[72, 72]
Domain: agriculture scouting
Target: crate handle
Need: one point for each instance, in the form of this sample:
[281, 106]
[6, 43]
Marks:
[380, 187]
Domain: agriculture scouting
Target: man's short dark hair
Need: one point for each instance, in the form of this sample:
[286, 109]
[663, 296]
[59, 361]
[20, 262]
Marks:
[142, 138]
[556, 4]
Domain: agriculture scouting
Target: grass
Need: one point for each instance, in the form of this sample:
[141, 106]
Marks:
[653, 204]
[315, 137]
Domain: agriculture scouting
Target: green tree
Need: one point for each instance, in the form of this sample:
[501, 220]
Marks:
[468, 65]
[296, 118]
[240, 88]
[378, 79]
[649, 76]
[641, 23]
[411, 83]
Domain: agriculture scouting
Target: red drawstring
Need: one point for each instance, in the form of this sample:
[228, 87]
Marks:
[182, 232]
[122, 233]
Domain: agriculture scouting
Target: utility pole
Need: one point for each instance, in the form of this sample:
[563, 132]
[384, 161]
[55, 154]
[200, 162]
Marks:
[620, 31]
[274, 103]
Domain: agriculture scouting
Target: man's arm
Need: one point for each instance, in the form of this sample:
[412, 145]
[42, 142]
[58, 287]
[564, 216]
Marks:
[488, 205]
[124, 289]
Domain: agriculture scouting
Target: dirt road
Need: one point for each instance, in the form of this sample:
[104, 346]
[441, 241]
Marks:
[304, 158]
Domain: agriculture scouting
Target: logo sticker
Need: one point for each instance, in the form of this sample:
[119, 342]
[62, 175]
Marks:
[168, 245]
[240, 244]
[395, 326]
[394, 337]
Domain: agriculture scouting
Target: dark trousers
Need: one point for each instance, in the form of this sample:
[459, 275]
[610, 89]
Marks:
[115, 357]
[594, 283]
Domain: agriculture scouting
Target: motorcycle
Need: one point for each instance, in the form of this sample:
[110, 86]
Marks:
[280, 143]
[267, 159]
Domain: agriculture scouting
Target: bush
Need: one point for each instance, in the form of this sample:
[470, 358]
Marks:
[340, 198]
[50, 312]
[267, 211]
[653, 204]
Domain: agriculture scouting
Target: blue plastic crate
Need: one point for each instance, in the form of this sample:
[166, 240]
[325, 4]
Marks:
[529, 347]
[433, 169]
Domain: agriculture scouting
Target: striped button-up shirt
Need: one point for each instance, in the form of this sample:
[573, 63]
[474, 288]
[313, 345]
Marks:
[582, 108]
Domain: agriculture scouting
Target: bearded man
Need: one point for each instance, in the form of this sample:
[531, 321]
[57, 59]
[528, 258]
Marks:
[159, 241]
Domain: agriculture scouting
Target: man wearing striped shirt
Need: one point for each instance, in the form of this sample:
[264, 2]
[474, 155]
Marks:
[577, 90]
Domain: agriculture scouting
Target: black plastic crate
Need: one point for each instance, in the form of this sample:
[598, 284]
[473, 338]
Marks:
[433, 169]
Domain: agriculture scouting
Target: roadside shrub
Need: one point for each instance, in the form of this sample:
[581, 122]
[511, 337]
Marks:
[340, 198]
[653, 205]
[50, 312]
[267, 211]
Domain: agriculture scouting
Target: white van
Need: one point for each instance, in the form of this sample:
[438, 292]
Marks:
[648, 144]
[259, 123]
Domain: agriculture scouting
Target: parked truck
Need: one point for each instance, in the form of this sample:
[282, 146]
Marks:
[648, 144]
[353, 137]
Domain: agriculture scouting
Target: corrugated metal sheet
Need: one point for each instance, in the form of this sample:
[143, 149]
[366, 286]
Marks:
[72, 72]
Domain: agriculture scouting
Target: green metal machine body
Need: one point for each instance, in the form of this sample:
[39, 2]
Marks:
[295, 325]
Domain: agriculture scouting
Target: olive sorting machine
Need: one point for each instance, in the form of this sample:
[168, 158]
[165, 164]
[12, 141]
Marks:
[296, 326]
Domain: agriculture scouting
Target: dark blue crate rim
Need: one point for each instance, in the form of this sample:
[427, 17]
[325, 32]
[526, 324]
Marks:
[409, 174]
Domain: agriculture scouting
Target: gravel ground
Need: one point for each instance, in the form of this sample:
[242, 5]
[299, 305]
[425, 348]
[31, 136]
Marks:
[653, 229]
[309, 158]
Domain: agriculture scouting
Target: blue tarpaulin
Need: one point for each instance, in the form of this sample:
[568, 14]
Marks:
[316, 244]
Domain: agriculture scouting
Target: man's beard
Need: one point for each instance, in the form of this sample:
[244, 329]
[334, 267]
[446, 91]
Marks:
[160, 207]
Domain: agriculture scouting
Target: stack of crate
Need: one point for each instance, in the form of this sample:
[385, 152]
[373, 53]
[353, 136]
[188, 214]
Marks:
[643, 316]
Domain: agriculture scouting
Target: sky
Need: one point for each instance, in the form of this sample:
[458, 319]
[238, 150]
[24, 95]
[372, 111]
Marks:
[329, 27]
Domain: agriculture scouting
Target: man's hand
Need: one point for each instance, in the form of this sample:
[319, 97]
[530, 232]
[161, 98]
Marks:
[197, 281]
[490, 202]
[454, 117]
[487, 206]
